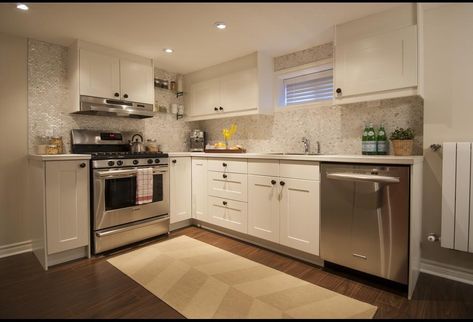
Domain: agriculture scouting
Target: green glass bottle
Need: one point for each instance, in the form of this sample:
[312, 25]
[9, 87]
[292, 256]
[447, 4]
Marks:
[381, 141]
[364, 139]
[371, 141]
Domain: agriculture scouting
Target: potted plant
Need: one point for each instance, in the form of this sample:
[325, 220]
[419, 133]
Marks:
[403, 140]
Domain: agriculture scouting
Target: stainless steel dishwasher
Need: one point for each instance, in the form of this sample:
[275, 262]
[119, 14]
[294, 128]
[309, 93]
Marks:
[365, 218]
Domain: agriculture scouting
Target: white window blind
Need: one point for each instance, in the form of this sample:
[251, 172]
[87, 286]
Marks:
[308, 88]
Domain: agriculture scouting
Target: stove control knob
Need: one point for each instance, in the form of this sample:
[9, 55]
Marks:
[119, 162]
[135, 162]
[157, 160]
[150, 161]
[111, 163]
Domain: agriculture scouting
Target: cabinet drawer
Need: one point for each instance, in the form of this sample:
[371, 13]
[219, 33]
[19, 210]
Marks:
[227, 185]
[237, 166]
[228, 213]
[264, 167]
[306, 170]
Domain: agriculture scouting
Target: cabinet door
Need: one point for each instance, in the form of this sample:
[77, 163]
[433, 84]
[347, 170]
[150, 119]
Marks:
[227, 213]
[205, 97]
[180, 185]
[299, 215]
[199, 189]
[382, 62]
[99, 74]
[67, 205]
[263, 207]
[239, 91]
[136, 81]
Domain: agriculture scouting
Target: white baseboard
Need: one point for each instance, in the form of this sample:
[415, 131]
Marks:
[16, 248]
[446, 271]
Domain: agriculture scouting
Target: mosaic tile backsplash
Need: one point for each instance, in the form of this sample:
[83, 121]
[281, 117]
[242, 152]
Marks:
[47, 92]
[337, 128]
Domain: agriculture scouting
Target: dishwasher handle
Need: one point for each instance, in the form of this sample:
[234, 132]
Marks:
[362, 177]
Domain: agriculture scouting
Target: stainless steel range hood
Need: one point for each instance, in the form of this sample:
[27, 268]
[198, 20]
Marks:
[109, 107]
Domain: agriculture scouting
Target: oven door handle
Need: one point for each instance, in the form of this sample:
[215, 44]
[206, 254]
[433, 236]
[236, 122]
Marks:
[123, 173]
[132, 226]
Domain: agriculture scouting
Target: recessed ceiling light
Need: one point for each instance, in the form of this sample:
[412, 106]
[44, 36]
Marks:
[220, 25]
[22, 6]
[168, 50]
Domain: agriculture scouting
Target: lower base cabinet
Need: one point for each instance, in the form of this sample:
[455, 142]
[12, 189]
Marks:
[180, 189]
[229, 214]
[299, 215]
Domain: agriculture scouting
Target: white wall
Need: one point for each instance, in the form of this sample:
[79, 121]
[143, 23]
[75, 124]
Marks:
[448, 109]
[14, 225]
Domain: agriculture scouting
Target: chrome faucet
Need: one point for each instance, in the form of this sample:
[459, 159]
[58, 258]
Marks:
[306, 144]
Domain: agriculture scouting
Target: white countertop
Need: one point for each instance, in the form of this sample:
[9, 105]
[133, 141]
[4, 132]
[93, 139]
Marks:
[354, 158]
[58, 157]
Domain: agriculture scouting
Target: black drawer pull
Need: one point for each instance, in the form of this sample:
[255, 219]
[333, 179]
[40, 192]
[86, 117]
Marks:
[82, 165]
[273, 181]
[224, 176]
[282, 183]
[224, 203]
[224, 164]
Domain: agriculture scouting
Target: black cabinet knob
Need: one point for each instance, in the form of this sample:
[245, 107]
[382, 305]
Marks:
[224, 176]
[135, 162]
[125, 95]
[273, 181]
[116, 94]
[338, 90]
[174, 161]
[215, 108]
[224, 164]
[224, 203]
[82, 165]
[220, 108]
[282, 183]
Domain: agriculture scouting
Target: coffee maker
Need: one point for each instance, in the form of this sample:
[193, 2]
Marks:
[197, 141]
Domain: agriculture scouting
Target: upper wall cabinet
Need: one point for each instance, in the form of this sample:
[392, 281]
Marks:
[376, 56]
[99, 71]
[242, 86]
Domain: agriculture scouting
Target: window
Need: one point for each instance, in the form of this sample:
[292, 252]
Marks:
[309, 88]
[305, 85]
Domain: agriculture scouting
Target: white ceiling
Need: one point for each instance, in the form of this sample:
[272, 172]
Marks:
[146, 28]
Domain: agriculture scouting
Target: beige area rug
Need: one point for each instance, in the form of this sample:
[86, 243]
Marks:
[202, 281]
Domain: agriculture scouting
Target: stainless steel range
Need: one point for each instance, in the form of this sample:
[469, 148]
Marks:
[117, 218]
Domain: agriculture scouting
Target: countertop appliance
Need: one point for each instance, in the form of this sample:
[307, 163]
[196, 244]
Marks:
[365, 218]
[113, 107]
[117, 220]
[198, 140]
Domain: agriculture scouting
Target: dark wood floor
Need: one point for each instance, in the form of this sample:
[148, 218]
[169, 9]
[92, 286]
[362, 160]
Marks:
[93, 288]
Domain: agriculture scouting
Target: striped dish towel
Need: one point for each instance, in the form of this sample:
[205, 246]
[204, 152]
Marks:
[144, 186]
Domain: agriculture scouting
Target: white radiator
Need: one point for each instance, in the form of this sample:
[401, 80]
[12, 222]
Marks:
[457, 196]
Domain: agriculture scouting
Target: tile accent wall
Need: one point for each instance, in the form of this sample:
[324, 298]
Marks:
[47, 92]
[337, 128]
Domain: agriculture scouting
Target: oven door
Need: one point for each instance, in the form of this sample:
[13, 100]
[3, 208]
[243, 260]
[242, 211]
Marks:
[115, 197]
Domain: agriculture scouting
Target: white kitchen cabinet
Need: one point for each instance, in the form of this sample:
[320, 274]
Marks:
[205, 97]
[239, 91]
[136, 81]
[180, 186]
[67, 205]
[299, 214]
[228, 185]
[239, 87]
[99, 71]
[228, 213]
[199, 189]
[263, 207]
[58, 203]
[376, 56]
[99, 74]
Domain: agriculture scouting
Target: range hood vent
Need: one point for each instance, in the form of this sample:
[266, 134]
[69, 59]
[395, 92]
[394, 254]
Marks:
[109, 107]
